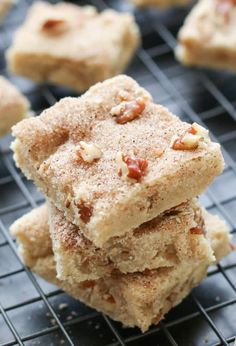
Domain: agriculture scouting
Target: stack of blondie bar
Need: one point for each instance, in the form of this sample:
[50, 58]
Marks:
[122, 230]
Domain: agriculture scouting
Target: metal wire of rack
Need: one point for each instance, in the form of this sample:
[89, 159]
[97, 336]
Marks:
[31, 310]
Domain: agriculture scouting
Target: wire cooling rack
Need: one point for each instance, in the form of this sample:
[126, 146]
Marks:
[33, 312]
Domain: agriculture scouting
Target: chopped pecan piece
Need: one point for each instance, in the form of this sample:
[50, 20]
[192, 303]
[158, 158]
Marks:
[89, 152]
[54, 26]
[190, 139]
[85, 211]
[109, 298]
[199, 130]
[128, 110]
[136, 167]
[68, 203]
[147, 271]
[196, 230]
[130, 167]
[186, 142]
[89, 283]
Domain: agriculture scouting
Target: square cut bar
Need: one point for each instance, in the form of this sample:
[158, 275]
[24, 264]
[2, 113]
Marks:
[137, 299]
[165, 241]
[207, 37]
[13, 106]
[73, 46]
[160, 3]
[107, 171]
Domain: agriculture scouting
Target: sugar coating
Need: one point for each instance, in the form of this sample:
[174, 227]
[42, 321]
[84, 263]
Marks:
[71, 45]
[13, 106]
[45, 150]
[138, 299]
[207, 37]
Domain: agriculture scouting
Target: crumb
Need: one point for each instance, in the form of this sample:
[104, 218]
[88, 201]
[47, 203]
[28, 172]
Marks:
[97, 326]
[69, 318]
[217, 298]
[178, 220]
[63, 306]
[62, 342]
[206, 339]
[53, 321]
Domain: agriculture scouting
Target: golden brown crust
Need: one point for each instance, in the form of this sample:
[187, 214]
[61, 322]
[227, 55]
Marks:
[13, 106]
[139, 299]
[45, 150]
[67, 52]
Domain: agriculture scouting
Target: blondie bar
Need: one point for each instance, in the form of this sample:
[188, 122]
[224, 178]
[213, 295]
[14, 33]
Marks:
[72, 46]
[174, 236]
[207, 37]
[112, 159]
